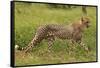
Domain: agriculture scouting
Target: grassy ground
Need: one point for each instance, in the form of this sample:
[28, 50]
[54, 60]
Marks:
[29, 17]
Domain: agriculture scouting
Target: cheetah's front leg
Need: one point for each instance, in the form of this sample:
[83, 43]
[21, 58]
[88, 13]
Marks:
[84, 46]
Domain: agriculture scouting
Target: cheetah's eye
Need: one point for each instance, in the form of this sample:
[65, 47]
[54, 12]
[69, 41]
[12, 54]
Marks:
[87, 22]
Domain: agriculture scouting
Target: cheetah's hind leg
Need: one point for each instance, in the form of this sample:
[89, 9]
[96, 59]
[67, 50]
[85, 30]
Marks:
[50, 41]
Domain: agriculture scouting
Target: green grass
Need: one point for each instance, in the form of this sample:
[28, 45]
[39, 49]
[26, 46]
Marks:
[29, 17]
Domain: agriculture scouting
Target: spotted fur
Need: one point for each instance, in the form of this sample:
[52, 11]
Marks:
[49, 32]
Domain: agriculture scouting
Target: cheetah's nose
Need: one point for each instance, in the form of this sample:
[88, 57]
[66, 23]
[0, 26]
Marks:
[89, 25]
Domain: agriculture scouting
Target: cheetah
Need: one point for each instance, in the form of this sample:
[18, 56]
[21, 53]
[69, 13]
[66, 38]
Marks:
[49, 32]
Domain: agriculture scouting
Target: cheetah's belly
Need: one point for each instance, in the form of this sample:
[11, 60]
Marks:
[63, 34]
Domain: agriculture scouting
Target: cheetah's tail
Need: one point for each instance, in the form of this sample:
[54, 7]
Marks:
[29, 47]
